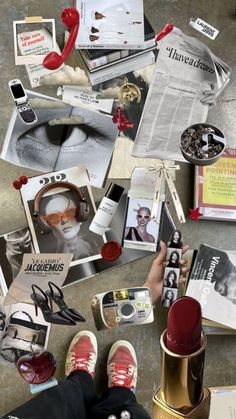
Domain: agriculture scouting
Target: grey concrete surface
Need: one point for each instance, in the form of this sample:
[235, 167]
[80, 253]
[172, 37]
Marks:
[220, 357]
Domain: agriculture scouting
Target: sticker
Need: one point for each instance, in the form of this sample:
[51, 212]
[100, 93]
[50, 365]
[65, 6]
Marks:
[204, 27]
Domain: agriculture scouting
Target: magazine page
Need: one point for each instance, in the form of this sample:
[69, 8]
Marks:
[213, 283]
[223, 403]
[111, 24]
[37, 42]
[183, 86]
[60, 213]
[49, 145]
[22, 333]
[93, 136]
[38, 270]
[13, 246]
[215, 188]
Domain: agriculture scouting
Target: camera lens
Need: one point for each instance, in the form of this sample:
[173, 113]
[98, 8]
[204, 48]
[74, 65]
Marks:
[127, 311]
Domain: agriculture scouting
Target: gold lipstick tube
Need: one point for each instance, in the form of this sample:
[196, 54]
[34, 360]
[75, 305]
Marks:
[181, 393]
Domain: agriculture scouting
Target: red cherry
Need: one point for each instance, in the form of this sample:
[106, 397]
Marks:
[17, 184]
[23, 180]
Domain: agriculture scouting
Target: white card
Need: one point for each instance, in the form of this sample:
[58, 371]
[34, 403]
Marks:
[204, 27]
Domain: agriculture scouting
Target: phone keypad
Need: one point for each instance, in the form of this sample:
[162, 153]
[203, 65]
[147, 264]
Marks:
[26, 113]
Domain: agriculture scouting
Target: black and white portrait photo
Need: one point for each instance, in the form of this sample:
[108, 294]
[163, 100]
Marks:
[176, 240]
[171, 277]
[173, 257]
[169, 295]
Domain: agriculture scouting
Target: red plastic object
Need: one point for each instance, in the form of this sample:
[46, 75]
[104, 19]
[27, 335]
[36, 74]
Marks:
[167, 29]
[184, 326]
[23, 180]
[71, 19]
[17, 184]
[36, 368]
[111, 250]
[121, 121]
[194, 214]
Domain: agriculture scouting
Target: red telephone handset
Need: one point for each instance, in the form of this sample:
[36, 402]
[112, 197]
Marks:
[71, 19]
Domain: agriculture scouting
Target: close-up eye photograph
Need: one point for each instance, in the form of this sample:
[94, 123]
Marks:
[118, 209]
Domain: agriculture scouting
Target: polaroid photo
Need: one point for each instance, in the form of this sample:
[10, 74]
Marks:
[169, 295]
[59, 211]
[141, 231]
[171, 278]
[173, 257]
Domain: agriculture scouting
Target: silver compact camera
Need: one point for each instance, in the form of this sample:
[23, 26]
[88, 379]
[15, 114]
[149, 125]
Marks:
[124, 307]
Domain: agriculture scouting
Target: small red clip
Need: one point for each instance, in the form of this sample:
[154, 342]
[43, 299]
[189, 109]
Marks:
[167, 29]
[17, 184]
[121, 121]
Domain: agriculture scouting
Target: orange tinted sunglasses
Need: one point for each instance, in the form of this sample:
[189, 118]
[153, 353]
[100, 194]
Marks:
[53, 218]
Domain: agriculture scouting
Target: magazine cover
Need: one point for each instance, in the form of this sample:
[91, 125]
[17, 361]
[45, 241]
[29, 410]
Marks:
[21, 332]
[63, 136]
[13, 246]
[212, 282]
[66, 232]
[215, 188]
[110, 24]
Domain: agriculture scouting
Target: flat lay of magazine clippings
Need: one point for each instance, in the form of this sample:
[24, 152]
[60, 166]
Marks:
[188, 78]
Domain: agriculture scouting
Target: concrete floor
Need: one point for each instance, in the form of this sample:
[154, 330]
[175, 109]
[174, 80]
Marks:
[220, 358]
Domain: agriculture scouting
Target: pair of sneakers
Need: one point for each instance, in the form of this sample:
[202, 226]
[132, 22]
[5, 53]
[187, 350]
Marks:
[121, 365]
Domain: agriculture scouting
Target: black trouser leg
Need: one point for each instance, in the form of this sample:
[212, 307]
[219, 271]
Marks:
[70, 399]
[114, 401]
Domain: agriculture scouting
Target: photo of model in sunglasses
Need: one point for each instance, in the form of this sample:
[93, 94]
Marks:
[139, 225]
[67, 233]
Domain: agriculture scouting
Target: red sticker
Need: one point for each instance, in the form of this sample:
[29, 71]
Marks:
[111, 250]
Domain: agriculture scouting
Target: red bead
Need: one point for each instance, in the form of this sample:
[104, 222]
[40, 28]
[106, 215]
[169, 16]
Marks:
[17, 184]
[23, 180]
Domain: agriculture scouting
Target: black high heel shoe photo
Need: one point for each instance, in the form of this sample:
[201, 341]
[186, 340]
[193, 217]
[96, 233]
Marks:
[58, 297]
[41, 300]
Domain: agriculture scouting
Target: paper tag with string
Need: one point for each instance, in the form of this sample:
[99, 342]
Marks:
[204, 27]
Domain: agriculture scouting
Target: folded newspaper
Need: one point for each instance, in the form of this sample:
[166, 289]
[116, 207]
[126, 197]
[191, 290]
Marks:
[187, 80]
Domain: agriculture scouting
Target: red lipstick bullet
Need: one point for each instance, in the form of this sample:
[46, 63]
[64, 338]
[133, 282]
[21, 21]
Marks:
[181, 393]
[184, 326]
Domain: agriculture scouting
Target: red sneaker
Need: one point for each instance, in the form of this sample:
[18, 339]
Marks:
[122, 369]
[82, 353]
